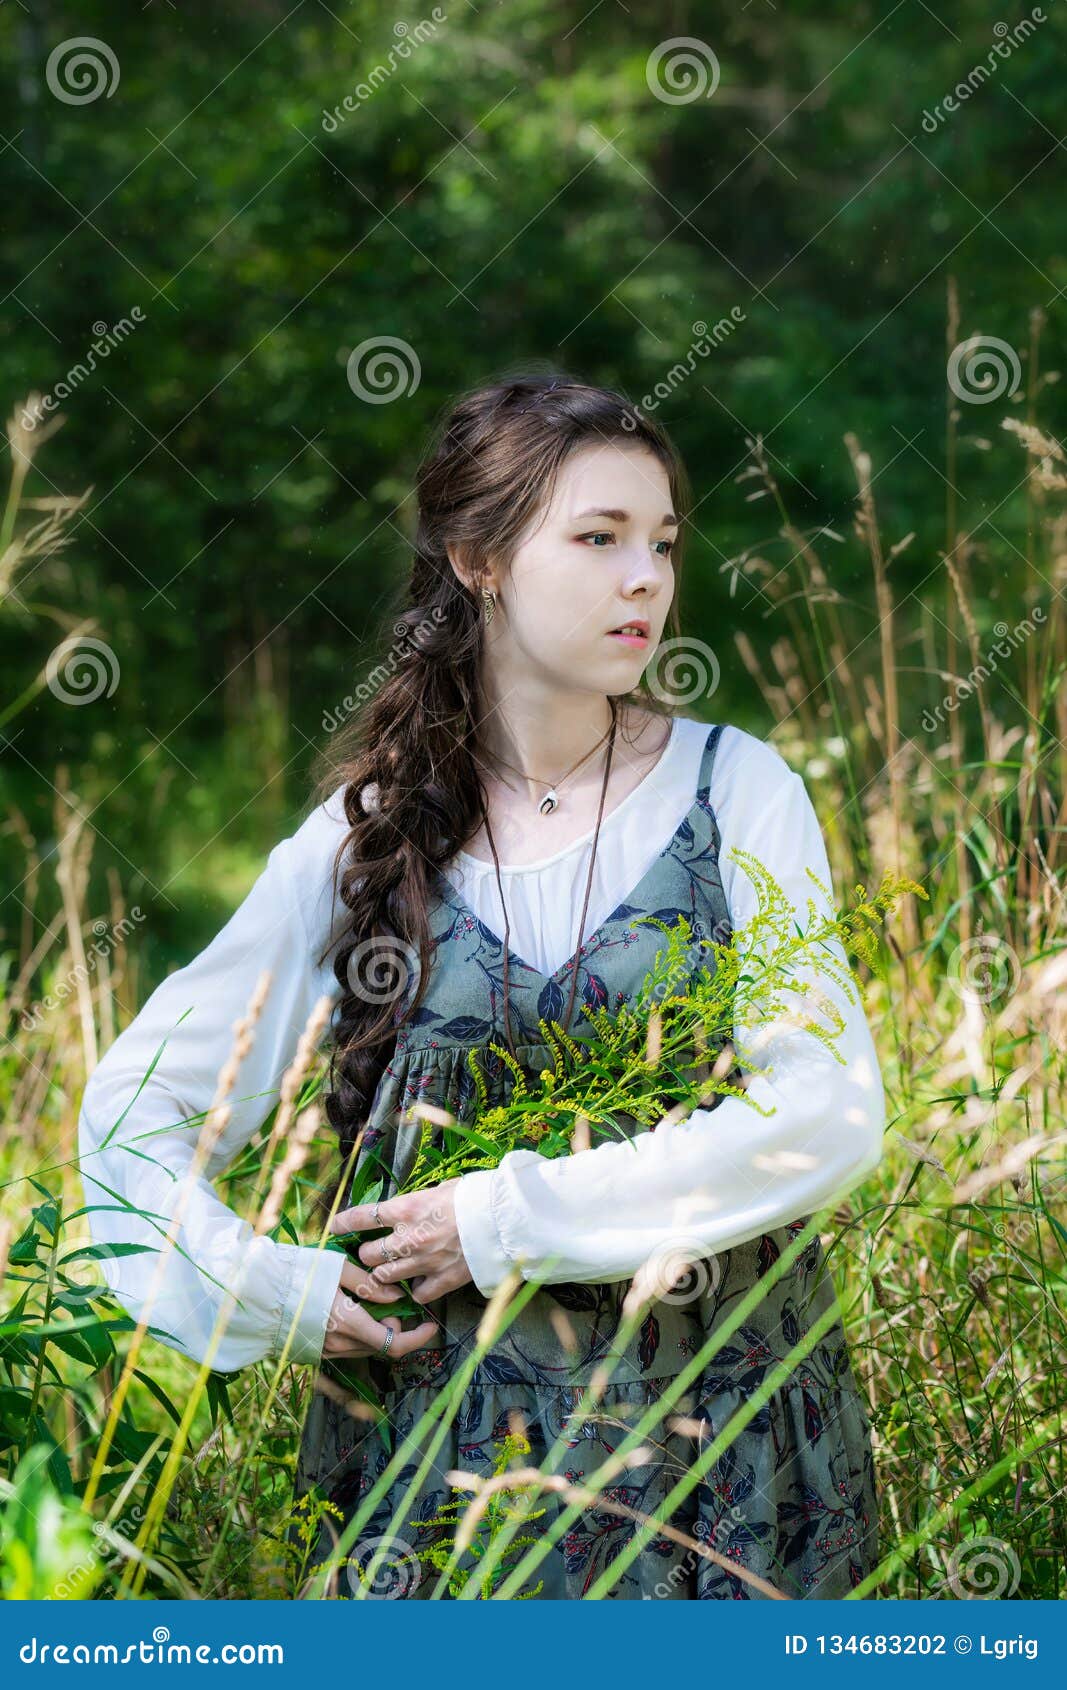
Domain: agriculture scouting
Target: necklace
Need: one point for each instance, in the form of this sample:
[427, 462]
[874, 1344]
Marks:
[550, 801]
[610, 736]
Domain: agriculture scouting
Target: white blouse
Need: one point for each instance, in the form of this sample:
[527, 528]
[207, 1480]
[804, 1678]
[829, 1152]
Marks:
[713, 1180]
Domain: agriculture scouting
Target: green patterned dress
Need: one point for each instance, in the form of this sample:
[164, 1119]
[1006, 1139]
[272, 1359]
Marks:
[792, 1498]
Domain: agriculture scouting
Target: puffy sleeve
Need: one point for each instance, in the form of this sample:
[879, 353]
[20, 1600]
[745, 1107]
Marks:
[136, 1139]
[722, 1176]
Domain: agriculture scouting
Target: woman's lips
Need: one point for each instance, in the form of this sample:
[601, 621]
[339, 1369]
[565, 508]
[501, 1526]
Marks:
[636, 640]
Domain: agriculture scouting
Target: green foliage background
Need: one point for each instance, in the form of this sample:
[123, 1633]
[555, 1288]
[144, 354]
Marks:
[514, 190]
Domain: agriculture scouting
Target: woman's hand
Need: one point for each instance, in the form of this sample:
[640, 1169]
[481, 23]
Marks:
[423, 1246]
[351, 1331]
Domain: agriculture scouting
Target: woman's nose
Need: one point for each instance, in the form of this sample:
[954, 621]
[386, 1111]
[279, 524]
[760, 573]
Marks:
[643, 576]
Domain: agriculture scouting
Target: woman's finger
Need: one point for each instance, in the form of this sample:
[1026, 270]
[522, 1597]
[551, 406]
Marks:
[361, 1283]
[390, 1273]
[354, 1331]
[348, 1334]
[417, 1339]
[387, 1253]
[362, 1217]
[345, 1320]
[378, 1293]
[377, 1252]
[433, 1285]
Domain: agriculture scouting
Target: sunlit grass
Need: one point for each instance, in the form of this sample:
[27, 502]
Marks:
[949, 1259]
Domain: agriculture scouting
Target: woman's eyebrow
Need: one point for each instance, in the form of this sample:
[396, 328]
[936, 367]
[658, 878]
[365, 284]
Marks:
[668, 521]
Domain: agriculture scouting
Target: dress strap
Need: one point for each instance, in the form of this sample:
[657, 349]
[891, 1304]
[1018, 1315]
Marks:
[707, 760]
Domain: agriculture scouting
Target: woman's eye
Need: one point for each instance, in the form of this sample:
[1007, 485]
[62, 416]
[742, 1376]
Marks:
[605, 534]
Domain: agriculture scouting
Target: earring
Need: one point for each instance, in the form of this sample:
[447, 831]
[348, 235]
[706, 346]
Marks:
[488, 604]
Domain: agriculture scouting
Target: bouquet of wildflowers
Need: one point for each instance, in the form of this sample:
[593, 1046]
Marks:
[667, 1053]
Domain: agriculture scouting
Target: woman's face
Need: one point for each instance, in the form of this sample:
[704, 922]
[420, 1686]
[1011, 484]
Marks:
[598, 559]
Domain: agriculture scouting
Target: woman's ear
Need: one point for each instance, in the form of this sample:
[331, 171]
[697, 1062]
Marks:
[460, 559]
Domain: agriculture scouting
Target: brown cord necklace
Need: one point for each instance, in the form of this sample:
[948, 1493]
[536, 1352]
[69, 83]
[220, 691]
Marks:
[550, 801]
[585, 903]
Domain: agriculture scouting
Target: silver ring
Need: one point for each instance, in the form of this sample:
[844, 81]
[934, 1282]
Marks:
[377, 1217]
[387, 1254]
[390, 1334]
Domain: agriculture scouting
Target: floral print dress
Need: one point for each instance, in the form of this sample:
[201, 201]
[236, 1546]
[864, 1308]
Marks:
[792, 1499]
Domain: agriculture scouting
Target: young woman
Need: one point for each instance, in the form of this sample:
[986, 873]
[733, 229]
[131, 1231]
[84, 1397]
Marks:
[511, 797]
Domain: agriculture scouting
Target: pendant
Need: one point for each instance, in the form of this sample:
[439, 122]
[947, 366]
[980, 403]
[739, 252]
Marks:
[548, 803]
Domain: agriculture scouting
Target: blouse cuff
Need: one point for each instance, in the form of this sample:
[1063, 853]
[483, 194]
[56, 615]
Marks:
[309, 1287]
[478, 1235]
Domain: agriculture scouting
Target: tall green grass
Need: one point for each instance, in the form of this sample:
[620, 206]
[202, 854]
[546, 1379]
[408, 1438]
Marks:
[127, 1471]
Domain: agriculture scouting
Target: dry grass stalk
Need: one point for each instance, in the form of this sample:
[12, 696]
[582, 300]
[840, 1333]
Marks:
[353, 1406]
[489, 1325]
[213, 1125]
[654, 1038]
[581, 1137]
[1037, 444]
[296, 1154]
[294, 1077]
[563, 1329]
[866, 526]
[1010, 1164]
[583, 1496]
[430, 1112]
